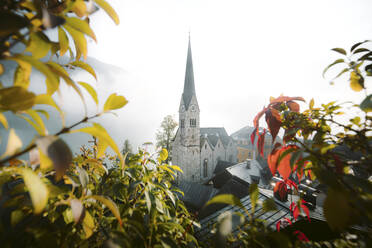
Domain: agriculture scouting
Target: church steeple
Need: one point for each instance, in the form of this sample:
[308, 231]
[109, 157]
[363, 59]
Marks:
[189, 86]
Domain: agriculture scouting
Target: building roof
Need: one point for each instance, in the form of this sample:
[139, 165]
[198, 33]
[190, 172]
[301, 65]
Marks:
[221, 166]
[215, 133]
[195, 194]
[271, 218]
[189, 86]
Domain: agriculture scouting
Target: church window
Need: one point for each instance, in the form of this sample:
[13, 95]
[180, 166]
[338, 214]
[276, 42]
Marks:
[205, 146]
[218, 145]
[205, 168]
[192, 122]
[230, 158]
[182, 123]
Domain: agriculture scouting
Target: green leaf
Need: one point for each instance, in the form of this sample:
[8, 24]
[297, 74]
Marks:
[85, 67]
[77, 209]
[14, 144]
[163, 155]
[269, 205]
[334, 63]
[339, 50]
[40, 66]
[88, 225]
[80, 42]
[366, 104]
[57, 151]
[336, 209]
[39, 124]
[358, 44]
[361, 50]
[148, 200]
[16, 99]
[110, 205]
[225, 199]
[90, 90]
[99, 132]
[4, 121]
[37, 189]
[109, 10]
[63, 41]
[39, 45]
[81, 26]
[253, 194]
[114, 102]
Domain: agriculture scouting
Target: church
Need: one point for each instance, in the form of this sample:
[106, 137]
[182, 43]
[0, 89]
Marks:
[197, 150]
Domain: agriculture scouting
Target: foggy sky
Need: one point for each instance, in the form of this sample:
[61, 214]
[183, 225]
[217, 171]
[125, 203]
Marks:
[243, 53]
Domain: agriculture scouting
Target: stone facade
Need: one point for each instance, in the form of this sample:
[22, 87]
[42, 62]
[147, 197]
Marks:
[197, 150]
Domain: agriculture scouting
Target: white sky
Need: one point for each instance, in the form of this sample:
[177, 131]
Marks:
[243, 53]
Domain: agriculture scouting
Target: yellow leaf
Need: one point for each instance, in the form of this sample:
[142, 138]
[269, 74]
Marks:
[39, 45]
[90, 90]
[110, 204]
[355, 82]
[88, 225]
[79, 41]
[311, 104]
[101, 148]
[84, 66]
[79, 8]
[163, 155]
[48, 100]
[177, 168]
[14, 144]
[114, 102]
[109, 10]
[63, 41]
[99, 132]
[81, 26]
[22, 74]
[38, 121]
[1, 69]
[40, 66]
[3, 121]
[45, 162]
[16, 99]
[37, 189]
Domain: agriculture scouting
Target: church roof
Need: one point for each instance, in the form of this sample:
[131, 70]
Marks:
[215, 133]
[189, 86]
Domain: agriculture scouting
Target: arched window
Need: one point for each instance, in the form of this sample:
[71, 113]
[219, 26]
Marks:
[205, 168]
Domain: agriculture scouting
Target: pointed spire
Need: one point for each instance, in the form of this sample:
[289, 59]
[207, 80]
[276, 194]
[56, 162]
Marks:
[189, 86]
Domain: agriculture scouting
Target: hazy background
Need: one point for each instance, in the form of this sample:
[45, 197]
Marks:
[243, 53]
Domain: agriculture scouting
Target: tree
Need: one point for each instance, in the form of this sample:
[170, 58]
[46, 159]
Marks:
[127, 147]
[165, 134]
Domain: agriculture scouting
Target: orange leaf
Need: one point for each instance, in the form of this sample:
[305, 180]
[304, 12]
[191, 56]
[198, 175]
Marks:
[293, 106]
[273, 122]
[257, 119]
[273, 158]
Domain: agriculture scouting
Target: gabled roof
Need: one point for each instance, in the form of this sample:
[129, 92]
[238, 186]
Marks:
[189, 85]
[195, 195]
[215, 133]
[271, 218]
[221, 166]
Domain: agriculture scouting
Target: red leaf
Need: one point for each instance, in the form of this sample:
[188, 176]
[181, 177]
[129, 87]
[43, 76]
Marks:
[257, 119]
[291, 184]
[273, 121]
[253, 135]
[293, 106]
[284, 167]
[273, 157]
[296, 212]
[261, 142]
[306, 209]
[281, 188]
[281, 99]
[301, 236]
[300, 172]
[288, 220]
[293, 204]
[278, 225]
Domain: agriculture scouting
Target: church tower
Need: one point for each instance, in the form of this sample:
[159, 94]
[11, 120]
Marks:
[186, 146]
